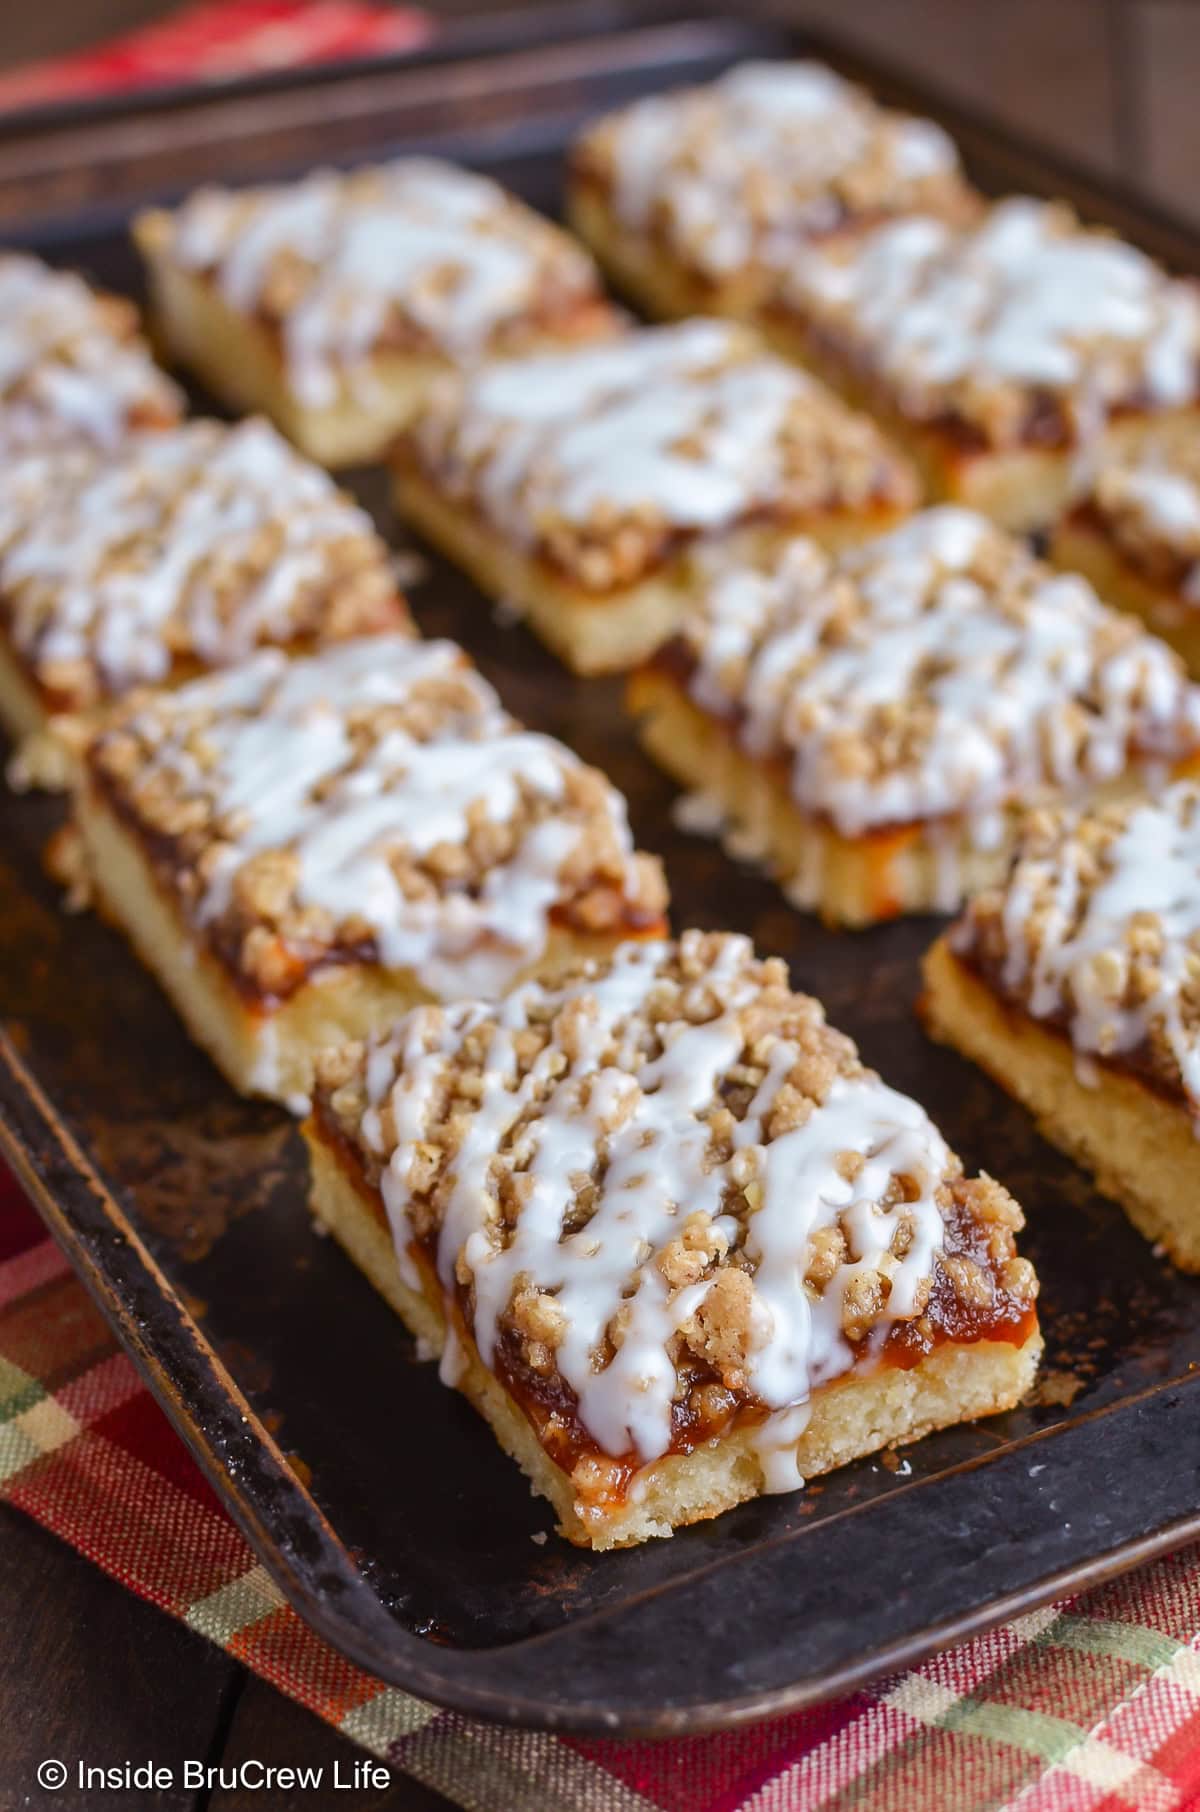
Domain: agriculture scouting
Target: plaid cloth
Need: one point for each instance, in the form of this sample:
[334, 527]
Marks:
[1086, 1706]
[218, 39]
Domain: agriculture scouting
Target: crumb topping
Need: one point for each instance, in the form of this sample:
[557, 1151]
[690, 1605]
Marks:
[666, 1175]
[744, 170]
[601, 459]
[415, 255]
[938, 670]
[72, 363]
[1147, 497]
[1097, 928]
[374, 802]
[191, 546]
[1025, 327]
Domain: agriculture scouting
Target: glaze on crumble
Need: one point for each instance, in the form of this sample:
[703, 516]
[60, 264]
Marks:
[937, 671]
[1097, 929]
[414, 256]
[1024, 330]
[187, 548]
[602, 460]
[371, 803]
[745, 170]
[668, 1184]
[73, 365]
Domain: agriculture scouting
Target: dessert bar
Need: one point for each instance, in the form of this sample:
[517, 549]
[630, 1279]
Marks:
[183, 550]
[332, 303]
[300, 849]
[871, 724]
[1133, 527]
[574, 486]
[998, 354]
[695, 201]
[1075, 982]
[73, 364]
[669, 1235]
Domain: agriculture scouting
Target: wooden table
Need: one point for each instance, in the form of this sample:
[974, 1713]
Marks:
[89, 1672]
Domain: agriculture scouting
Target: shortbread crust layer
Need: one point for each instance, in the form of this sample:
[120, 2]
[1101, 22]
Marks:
[629, 1439]
[1138, 1143]
[610, 632]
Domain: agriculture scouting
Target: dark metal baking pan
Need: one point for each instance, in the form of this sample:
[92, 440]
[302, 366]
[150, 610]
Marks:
[376, 1498]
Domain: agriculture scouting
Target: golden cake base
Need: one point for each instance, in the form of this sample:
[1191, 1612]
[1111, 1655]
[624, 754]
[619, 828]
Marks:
[1139, 1145]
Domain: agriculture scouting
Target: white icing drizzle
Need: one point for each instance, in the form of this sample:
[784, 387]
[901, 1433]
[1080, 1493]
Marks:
[440, 249]
[1078, 965]
[939, 670]
[754, 164]
[644, 1113]
[282, 772]
[200, 540]
[954, 318]
[687, 422]
[67, 372]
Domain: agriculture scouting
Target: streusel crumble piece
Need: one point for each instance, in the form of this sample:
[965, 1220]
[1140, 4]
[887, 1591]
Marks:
[669, 1235]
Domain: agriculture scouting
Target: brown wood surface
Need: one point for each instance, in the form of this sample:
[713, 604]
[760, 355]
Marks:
[90, 1673]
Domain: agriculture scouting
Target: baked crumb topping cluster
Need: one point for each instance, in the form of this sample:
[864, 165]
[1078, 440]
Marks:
[72, 363]
[191, 546]
[600, 459]
[1025, 329]
[413, 256]
[374, 802]
[669, 1183]
[938, 670]
[1097, 929]
[744, 170]
[1147, 497]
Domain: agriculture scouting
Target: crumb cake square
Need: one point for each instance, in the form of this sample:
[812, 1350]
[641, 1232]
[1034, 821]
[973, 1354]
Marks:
[332, 303]
[669, 1235]
[995, 354]
[1075, 982]
[181, 551]
[300, 849]
[871, 724]
[73, 365]
[1132, 527]
[575, 485]
[696, 201]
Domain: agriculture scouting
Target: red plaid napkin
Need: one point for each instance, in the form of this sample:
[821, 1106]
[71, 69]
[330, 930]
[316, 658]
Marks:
[1086, 1706]
[217, 39]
